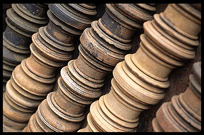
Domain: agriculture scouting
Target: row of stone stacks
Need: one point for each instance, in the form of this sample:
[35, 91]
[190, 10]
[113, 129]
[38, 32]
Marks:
[140, 81]
[183, 112]
[51, 48]
[22, 21]
[101, 47]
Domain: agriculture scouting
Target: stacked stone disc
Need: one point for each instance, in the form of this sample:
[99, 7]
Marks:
[51, 48]
[101, 47]
[168, 41]
[183, 112]
[22, 21]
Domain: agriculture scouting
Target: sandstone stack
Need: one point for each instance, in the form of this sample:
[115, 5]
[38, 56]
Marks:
[22, 21]
[140, 80]
[101, 47]
[51, 48]
[183, 112]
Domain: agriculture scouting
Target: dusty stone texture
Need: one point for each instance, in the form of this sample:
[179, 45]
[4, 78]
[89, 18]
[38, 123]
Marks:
[100, 8]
